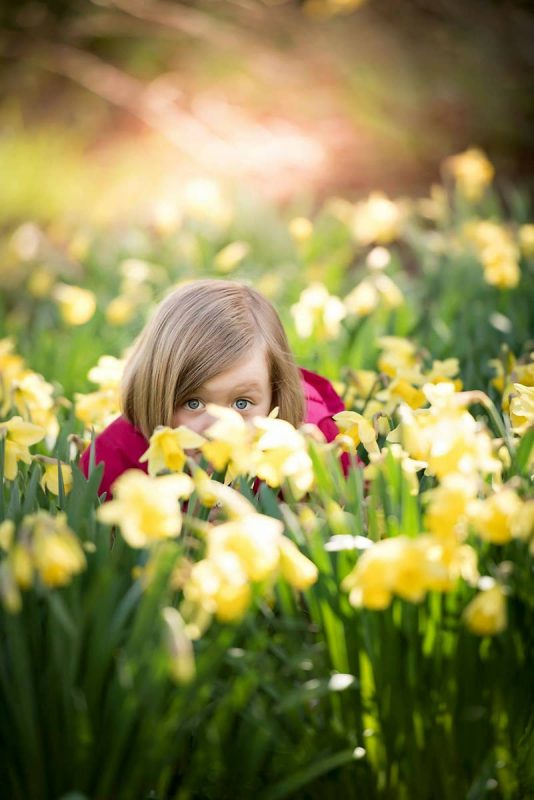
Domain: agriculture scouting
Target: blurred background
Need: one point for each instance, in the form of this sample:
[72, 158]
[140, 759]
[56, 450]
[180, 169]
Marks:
[108, 106]
[308, 148]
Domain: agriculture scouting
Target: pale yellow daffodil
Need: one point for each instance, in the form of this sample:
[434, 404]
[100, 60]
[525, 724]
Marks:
[486, 614]
[357, 428]
[146, 509]
[18, 437]
[167, 448]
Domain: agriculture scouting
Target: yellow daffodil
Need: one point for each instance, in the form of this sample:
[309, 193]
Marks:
[146, 509]
[398, 565]
[167, 448]
[357, 428]
[97, 409]
[76, 305]
[231, 441]
[300, 229]
[446, 513]
[7, 532]
[472, 171]
[526, 239]
[121, 310]
[522, 408]
[22, 564]
[231, 256]
[493, 518]
[377, 219]
[32, 393]
[486, 613]
[19, 436]
[400, 390]
[297, 570]
[448, 562]
[12, 367]
[397, 354]
[107, 373]
[363, 299]
[50, 479]
[220, 586]
[318, 313]
[57, 553]
[497, 251]
[370, 582]
[281, 454]
[254, 539]
[445, 435]
[523, 523]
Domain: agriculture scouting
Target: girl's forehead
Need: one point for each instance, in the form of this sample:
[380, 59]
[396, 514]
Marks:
[250, 372]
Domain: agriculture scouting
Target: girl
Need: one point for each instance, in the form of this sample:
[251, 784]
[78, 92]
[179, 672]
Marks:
[210, 341]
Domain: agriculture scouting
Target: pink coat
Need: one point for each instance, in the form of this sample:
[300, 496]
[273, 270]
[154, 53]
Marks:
[120, 445]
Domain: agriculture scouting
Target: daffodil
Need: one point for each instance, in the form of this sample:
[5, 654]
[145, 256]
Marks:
[297, 570]
[400, 566]
[18, 438]
[397, 354]
[522, 408]
[146, 509]
[447, 509]
[7, 533]
[167, 448]
[50, 479]
[220, 586]
[300, 228]
[486, 613]
[230, 441]
[445, 435]
[57, 553]
[497, 251]
[12, 367]
[318, 313]
[377, 219]
[231, 256]
[281, 454]
[254, 539]
[358, 429]
[76, 305]
[493, 518]
[372, 580]
[97, 409]
[526, 239]
[472, 171]
[120, 310]
[107, 373]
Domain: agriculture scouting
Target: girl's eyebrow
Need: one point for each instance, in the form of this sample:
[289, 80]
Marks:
[244, 387]
[249, 386]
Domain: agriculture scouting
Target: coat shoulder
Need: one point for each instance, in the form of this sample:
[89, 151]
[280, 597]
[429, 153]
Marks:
[321, 397]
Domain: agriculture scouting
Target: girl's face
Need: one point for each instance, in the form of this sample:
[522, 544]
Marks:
[245, 387]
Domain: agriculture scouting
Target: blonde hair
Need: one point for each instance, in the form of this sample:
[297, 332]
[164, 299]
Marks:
[198, 331]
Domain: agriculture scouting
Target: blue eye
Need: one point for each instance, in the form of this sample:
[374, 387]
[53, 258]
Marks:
[241, 404]
[193, 404]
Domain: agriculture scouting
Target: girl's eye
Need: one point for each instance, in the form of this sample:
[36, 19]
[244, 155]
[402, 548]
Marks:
[241, 404]
[193, 404]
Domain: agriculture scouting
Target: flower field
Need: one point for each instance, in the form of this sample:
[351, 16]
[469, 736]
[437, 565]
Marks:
[365, 636]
